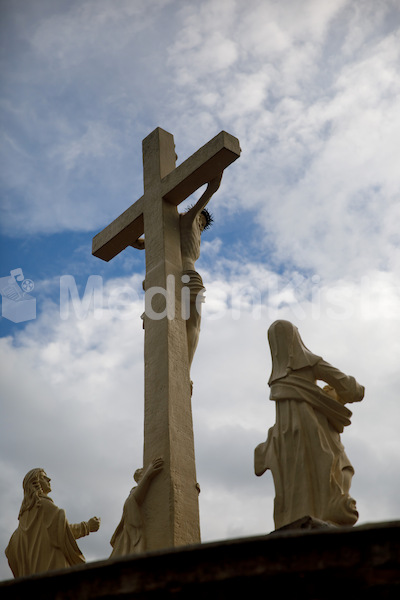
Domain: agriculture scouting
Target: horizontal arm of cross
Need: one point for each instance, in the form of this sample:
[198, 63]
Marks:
[124, 230]
[200, 168]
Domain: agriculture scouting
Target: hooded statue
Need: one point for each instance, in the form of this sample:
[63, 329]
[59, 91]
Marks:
[311, 472]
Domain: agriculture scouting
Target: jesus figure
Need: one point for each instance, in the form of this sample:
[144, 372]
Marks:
[191, 224]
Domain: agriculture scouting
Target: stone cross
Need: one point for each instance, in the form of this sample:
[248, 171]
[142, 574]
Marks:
[171, 509]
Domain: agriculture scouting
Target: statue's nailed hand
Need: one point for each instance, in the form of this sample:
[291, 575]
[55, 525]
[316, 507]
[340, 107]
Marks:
[139, 244]
[94, 524]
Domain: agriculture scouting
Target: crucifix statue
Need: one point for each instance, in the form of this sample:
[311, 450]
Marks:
[170, 508]
[191, 225]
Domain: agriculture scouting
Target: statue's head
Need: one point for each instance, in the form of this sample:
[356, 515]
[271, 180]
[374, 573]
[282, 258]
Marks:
[288, 351]
[138, 475]
[36, 484]
[205, 219]
[34, 480]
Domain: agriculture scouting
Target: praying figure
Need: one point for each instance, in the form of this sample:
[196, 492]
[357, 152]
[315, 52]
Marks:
[129, 536]
[311, 471]
[191, 224]
[44, 540]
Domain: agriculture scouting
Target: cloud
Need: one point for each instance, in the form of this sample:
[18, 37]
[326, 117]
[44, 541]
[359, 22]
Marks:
[311, 94]
[95, 142]
[348, 192]
[69, 37]
[72, 102]
[317, 128]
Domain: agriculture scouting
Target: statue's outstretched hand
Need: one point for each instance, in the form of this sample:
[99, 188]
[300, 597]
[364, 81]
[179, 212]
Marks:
[154, 468]
[94, 524]
[157, 464]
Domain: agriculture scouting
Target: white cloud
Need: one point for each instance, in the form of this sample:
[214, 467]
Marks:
[318, 129]
[347, 195]
[69, 37]
[212, 55]
[318, 124]
[95, 142]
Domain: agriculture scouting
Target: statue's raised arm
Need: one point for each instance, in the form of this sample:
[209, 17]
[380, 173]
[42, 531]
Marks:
[192, 224]
[204, 199]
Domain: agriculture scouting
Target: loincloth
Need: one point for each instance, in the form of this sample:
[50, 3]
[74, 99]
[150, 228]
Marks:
[194, 283]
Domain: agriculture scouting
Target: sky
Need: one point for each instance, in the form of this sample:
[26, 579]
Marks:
[306, 228]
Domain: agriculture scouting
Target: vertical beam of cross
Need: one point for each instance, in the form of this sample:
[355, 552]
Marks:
[170, 508]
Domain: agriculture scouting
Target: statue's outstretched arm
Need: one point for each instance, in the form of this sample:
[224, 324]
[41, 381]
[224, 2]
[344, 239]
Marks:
[85, 527]
[152, 470]
[79, 529]
[212, 187]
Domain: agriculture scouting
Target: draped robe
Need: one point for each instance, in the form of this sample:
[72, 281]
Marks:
[128, 536]
[44, 540]
[311, 471]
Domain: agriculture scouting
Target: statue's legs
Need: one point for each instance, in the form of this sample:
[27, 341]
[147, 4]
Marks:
[194, 297]
[193, 330]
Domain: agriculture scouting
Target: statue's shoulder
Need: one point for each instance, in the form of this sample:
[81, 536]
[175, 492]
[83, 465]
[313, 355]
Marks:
[51, 511]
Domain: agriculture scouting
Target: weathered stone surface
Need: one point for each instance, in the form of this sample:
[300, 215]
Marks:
[357, 562]
[306, 522]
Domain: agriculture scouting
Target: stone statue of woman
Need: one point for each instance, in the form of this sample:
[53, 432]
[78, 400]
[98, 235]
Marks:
[44, 540]
[311, 472]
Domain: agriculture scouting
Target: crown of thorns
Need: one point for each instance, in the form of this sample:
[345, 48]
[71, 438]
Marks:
[208, 217]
